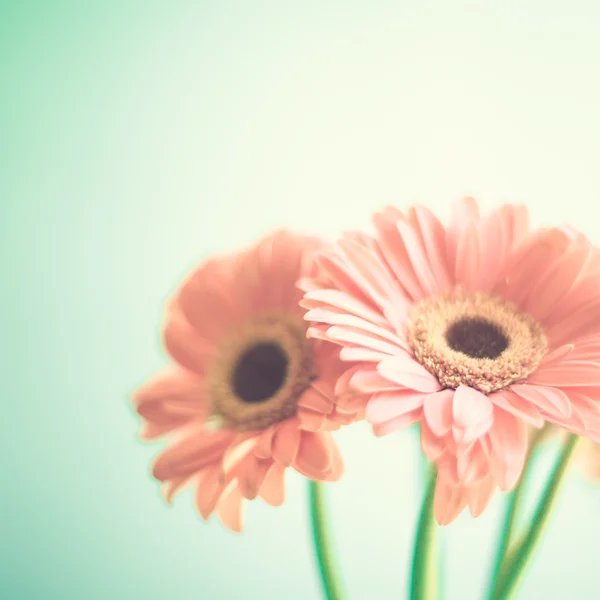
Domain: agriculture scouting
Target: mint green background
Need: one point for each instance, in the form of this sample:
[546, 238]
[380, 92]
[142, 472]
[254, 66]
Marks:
[137, 137]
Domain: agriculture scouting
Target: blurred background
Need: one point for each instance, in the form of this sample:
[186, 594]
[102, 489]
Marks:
[136, 138]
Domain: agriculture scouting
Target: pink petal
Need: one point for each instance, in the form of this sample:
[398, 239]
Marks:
[396, 255]
[286, 442]
[315, 455]
[472, 413]
[384, 406]
[272, 490]
[337, 299]
[417, 257]
[432, 445]
[437, 410]
[407, 372]
[479, 496]
[448, 503]
[518, 406]
[434, 239]
[192, 454]
[243, 445]
[208, 491]
[353, 322]
[370, 274]
[551, 400]
[185, 346]
[312, 400]
[310, 420]
[472, 464]
[367, 380]
[353, 353]
[338, 273]
[252, 477]
[467, 259]
[264, 443]
[573, 373]
[346, 335]
[401, 422]
[508, 440]
[231, 510]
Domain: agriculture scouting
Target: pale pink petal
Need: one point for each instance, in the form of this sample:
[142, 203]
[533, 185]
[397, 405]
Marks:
[355, 337]
[367, 379]
[448, 503]
[231, 510]
[336, 318]
[464, 213]
[315, 453]
[384, 406]
[272, 490]
[467, 259]
[418, 258]
[337, 271]
[354, 353]
[518, 406]
[368, 271]
[192, 454]
[342, 385]
[472, 464]
[551, 400]
[315, 401]
[401, 422]
[252, 476]
[408, 373]
[434, 239]
[239, 448]
[432, 445]
[340, 300]
[437, 411]
[568, 373]
[286, 442]
[310, 420]
[479, 496]
[396, 256]
[185, 346]
[472, 413]
[508, 447]
[263, 448]
[208, 491]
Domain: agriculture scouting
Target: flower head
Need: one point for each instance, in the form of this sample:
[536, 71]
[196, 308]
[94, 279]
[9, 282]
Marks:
[249, 394]
[475, 330]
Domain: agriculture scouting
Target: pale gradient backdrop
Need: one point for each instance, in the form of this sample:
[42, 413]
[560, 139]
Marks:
[135, 138]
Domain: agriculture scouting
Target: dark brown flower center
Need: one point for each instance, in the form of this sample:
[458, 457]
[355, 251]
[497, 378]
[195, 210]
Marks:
[260, 372]
[476, 338]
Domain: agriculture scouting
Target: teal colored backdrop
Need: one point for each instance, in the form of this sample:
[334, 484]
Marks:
[137, 137]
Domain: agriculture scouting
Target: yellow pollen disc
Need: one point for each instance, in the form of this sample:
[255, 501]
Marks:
[261, 370]
[475, 339]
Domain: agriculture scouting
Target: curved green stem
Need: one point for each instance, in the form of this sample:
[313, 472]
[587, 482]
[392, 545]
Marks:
[516, 563]
[424, 582]
[512, 509]
[332, 586]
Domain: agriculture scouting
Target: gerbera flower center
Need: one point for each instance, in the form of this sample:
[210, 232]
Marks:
[260, 372]
[476, 340]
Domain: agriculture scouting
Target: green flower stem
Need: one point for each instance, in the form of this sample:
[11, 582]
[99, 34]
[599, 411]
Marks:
[517, 560]
[512, 509]
[424, 583]
[332, 586]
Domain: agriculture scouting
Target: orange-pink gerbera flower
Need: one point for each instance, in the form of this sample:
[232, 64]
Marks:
[475, 330]
[249, 394]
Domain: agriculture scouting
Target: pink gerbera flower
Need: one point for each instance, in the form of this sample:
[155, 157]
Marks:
[249, 395]
[476, 330]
